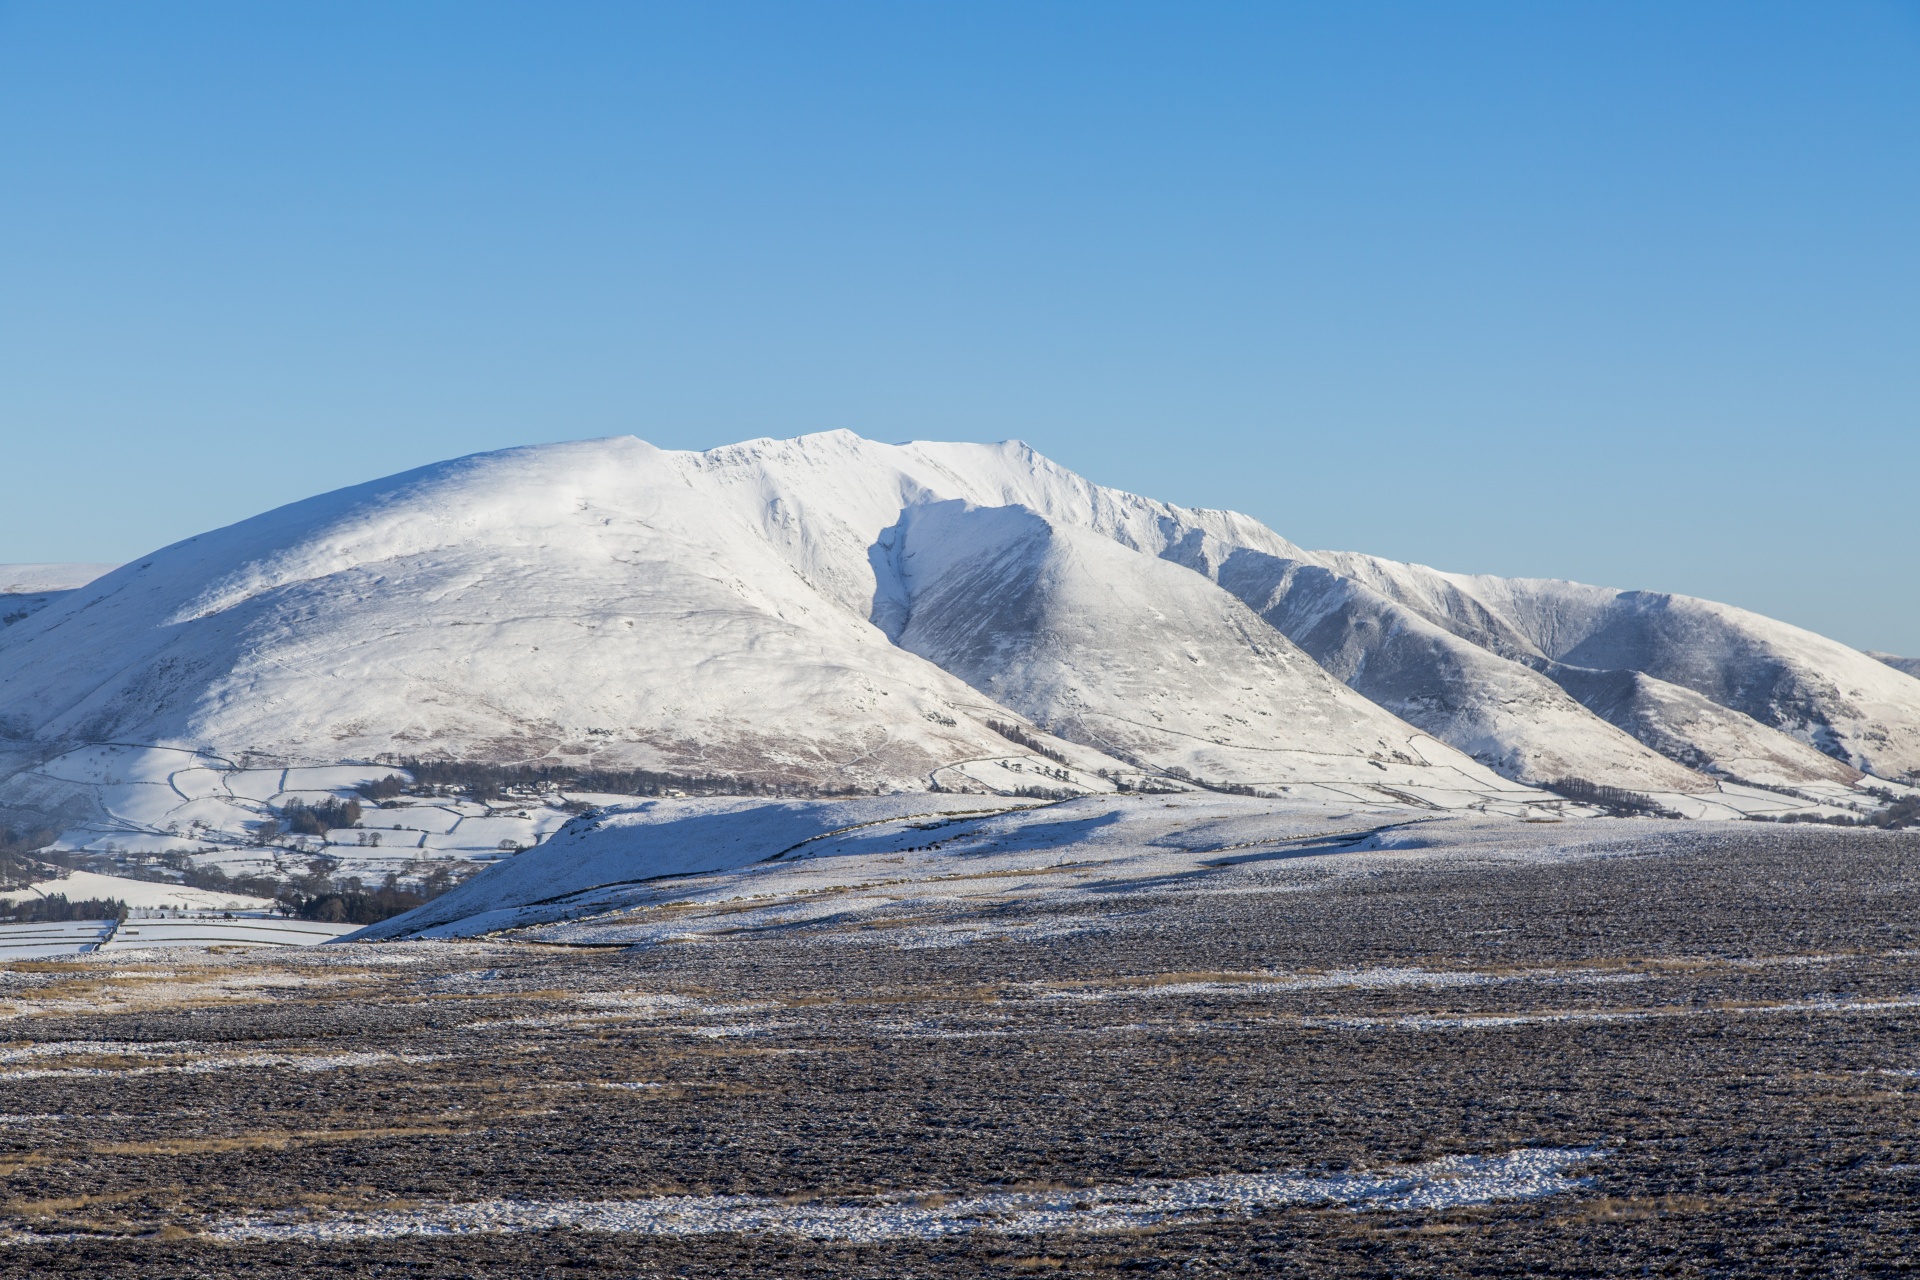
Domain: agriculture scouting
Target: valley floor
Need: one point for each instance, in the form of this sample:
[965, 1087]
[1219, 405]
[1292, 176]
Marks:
[1691, 1049]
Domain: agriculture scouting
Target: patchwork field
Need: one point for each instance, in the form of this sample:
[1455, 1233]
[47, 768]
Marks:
[1683, 1049]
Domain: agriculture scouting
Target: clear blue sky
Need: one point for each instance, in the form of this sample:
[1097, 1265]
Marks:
[1628, 293]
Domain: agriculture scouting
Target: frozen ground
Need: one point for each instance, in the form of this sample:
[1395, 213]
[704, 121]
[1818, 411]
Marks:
[145, 932]
[895, 867]
[137, 805]
[1207, 1043]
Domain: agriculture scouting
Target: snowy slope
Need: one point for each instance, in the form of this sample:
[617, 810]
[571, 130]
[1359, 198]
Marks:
[28, 588]
[688, 871]
[651, 839]
[598, 601]
[903, 852]
[1501, 712]
[1815, 690]
[1909, 665]
[33, 579]
[1697, 731]
[1135, 655]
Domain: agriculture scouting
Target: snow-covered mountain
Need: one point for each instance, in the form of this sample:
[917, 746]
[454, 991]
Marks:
[1500, 711]
[35, 579]
[837, 613]
[1133, 654]
[603, 602]
[593, 601]
[28, 588]
[1909, 665]
[1780, 677]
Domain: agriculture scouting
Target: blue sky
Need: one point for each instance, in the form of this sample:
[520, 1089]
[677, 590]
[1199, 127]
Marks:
[1627, 293]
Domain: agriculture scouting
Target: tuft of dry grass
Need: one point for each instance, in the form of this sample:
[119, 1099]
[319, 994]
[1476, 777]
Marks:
[266, 1141]
[1635, 1208]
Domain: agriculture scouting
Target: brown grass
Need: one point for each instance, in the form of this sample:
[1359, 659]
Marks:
[1635, 1208]
[266, 1141]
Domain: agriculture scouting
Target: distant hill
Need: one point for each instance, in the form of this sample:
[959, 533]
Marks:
[27, 588]
[1909, 665]
[32, 579]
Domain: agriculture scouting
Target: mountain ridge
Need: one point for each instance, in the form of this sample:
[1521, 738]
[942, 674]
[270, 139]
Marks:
[740, 612]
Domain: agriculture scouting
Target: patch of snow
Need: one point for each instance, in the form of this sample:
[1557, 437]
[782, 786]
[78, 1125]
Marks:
[206, 1064]
[138, 894]
[1433, 1186]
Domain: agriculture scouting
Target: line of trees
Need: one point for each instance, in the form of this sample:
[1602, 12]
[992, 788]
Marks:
[1014, 733]
[318, 819]
[1225, 788]
[351, 901]
[1617, 801]
[17, 870]
[57, 906]
[318, 895]
[481, 781]
[1900, 812]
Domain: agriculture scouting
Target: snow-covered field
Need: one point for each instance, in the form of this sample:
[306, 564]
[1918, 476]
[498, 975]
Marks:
[184, 929]
[59, 938]
[139, 895]
[144, 802]
[890, 869]
[190, 930]
[160, 915]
